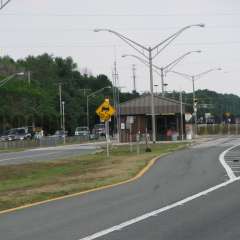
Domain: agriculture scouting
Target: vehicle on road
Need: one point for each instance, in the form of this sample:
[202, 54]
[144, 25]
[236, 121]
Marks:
[99, 130]
[82, 131]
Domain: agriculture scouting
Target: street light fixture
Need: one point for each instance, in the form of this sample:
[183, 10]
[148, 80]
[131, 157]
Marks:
[193, 78]
[148, 53]
[90, 95]
[165, 68]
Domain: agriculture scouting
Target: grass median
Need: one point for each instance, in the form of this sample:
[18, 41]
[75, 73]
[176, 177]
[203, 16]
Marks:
[34, 182]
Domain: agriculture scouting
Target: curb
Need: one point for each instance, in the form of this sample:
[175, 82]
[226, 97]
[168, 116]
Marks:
[139, 175]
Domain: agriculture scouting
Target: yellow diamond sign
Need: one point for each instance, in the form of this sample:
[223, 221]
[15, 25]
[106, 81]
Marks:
[105, 111]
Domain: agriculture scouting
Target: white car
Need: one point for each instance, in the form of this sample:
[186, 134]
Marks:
[82, 131]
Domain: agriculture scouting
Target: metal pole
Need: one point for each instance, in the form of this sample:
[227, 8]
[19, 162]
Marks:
[134, 77]
[162, 81]
[60, 103]
[181, 115]
[107, 137]
[29, 77]
[117, 100]
[87, 114]
[63, 121]
[152, 97]
[130, 138]
[194, 107]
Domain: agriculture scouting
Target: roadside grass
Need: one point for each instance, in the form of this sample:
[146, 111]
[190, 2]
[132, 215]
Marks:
[33, 182]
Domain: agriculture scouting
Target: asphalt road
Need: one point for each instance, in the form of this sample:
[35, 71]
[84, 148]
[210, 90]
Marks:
[46, 154]
[173, 178]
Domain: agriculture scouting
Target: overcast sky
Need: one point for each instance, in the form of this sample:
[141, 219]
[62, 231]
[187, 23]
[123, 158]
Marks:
[65, 28]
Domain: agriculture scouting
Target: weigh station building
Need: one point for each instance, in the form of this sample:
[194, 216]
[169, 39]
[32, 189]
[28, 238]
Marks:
[136, 118]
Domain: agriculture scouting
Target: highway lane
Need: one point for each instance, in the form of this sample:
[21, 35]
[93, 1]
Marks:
[173, 178]
[46, 154]
[215, 216]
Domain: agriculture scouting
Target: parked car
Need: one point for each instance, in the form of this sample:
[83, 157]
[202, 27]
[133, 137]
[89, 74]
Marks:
[18, 134]
[82, 131]
[60, 134]
[99, 130]
[4, 136]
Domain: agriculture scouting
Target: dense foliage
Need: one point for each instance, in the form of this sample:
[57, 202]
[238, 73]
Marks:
[34, 99]
[221, 106]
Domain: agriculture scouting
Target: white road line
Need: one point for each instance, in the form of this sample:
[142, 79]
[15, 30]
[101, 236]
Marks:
[232, 178]
[229, 171]
[156, 212]
[23, 157]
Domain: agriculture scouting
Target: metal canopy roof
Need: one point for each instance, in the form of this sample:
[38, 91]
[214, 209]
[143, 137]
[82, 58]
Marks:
[142, 106]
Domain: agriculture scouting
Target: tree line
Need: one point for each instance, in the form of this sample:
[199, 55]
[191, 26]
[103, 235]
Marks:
[33, 99]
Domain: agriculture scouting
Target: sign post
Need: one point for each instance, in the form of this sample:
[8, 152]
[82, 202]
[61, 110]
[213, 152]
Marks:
[105, 111]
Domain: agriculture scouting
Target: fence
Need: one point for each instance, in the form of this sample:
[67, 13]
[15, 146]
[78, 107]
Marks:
[215, 129]
[43, 142]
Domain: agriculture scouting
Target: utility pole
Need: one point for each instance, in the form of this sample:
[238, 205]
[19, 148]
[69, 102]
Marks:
[63, 121]
[116, 99]
[60, 104]
[181, 112]
[134, 78]
[29, 77]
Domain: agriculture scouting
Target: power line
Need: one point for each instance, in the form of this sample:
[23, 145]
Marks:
[120, 15]
[229, 27]
[120, 45]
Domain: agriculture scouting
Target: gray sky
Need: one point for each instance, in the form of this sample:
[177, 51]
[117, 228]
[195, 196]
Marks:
[65, 28]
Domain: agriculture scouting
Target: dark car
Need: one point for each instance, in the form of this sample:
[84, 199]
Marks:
[4, 136]
[18, 134]
[60, 134]
[99, 130]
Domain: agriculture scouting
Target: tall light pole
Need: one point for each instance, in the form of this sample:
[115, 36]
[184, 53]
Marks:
[63, 121]
[90, 95]
[165, 68]
[193, 78]
[60, 104]
[150, 53]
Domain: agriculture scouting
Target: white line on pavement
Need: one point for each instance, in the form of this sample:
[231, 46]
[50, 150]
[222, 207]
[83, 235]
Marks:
[229, 171]
[232, 178]
[156, 212]
[23, 157]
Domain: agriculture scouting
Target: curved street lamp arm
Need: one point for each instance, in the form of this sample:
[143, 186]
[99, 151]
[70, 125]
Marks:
[3, 4]
[168, 41]
[176, 61]
[144, 62]
[127, 40]
[99, 90]
[138, 58]
[184, 75]
[206, 72]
